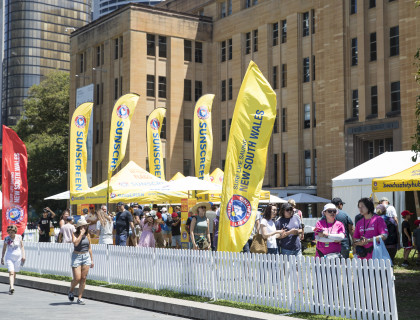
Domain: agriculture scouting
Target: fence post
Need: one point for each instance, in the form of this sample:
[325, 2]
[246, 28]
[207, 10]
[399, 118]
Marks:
[107, 270]
[213, 275]
[39, 258]
[154, 268]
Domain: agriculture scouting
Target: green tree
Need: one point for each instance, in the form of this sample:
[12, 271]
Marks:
[44, 127]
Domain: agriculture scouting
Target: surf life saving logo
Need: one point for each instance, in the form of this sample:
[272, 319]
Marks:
[15, 214]
[238, 210]
[154, 124]
[203, 113]
[80, 121]
[112, 195]
[123, 111]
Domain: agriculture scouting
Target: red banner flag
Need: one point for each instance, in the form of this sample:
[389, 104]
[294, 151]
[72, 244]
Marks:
[15, 184]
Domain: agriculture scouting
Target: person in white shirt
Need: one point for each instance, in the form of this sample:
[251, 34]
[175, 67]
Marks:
[390, 210]
[211, 215]
[67, 231]
[268, 229]
[105, 226]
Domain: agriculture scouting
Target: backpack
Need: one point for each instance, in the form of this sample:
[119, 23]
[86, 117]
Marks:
[392, 232]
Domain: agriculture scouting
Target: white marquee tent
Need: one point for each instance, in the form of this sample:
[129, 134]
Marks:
[357, 182]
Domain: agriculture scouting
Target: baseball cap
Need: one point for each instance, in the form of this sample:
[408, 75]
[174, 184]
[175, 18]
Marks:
[164, 210]
[417, 222]
[175, 215]
[406, 213]
[120, 203]
[85, 211]
[69, 218]
[91, 206]
[337, 201]
[329, 206]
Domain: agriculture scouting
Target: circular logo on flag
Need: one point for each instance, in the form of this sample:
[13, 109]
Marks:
[203, 112]
[238, 210]
[112, 195]
[184, 235]
[15, 214]
[154, 124]
[80, 122]
[375, 184]
[123, 111]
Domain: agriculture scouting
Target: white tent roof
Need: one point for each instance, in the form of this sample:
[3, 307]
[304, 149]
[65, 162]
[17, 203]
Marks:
[381, 166]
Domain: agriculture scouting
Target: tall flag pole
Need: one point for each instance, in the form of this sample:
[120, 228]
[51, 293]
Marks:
[79, 127]
[154, 143]
[246, 156]
[203, 136]
[14, 182]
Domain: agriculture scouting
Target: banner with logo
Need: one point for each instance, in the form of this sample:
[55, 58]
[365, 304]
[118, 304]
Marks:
[154, 144]
[186, 205]
[79, 127]
[246, 156]
[120, 127]
[203, 136]
[14, 182]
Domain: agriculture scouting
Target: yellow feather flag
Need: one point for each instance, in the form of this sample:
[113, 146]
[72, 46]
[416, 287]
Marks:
[120, 127]
[246, 156]
[154, 144]
[203, 136]
[79, 127]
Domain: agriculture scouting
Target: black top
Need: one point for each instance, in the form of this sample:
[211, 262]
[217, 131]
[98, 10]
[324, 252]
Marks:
[176, 227]
[122, 222]
[405, 225]
[44, 223]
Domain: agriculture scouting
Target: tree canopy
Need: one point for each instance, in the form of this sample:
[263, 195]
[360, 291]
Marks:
[44, 128]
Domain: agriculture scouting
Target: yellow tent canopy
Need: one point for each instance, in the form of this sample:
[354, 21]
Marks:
[407, 180]
[177, 176]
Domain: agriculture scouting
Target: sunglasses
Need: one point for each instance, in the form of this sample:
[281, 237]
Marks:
[289, 209]
[331, 211]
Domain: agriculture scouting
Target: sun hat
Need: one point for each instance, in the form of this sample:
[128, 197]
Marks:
[406, 213]
[164, 210]
[200, 204]
[81, 223]
[12, 227]
[384, 199]
[329, 206]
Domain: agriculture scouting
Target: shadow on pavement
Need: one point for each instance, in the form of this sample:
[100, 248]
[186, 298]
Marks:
[61, 303]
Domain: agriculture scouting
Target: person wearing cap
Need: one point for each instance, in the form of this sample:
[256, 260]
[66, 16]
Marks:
[137, 213]
[416, 239]
[344, 218]
[176, 231]
[368, 229]
[123, 223]
[81, 259]
[67, 231]
[392, 241]
[44, 225]
[291, 228]
[329, 233]
[199, 229]
[148, 227]
[166, 227]
[13, 254]
[390, 210]
[406, 236]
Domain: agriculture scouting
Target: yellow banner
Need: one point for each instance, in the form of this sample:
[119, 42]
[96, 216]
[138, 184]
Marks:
[252, 124]
[120, 127]
[203, 136]
[79, 127]
[154, 144]
[406, 180]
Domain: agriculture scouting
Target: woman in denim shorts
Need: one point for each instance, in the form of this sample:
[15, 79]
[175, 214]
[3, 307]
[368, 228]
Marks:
[81, 259]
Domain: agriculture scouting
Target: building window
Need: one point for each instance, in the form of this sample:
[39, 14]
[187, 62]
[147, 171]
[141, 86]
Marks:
[230, 51]
[230, 124]
[275, 76]
[374, 99]
[284, 75]
[116, 48]
[223, 51]
[313, 20]
[313, 68]
[121, 47]
[199, 52]
[394, 41]
[222, 9]
[187, 90]
[354, 52]
[247, 42]
[372, 46]
[150, 85]
[162, 87]
[98, 94]
[97, 133]
[372, 4]
[102, 93]
[223, 88]
[187, 167]
[305, 31]
[353, 6]
[276, 122]
[307, 116]
[163, 130]
[98, 56]
[276, 169]
[284, 170]
[255, 36]
[283, 31]
[115, 88]
[275, 34]
[198, 90]
[284, 120]
[355, 103]
[395, 96]
[82, 62]
[308, 170]
[187, 50]
[223, 130]
[121, 86]
[151, 45]
[229, 7]
[162, 47]
[315, 167]
[314, 115]
[230, 90]
[306, 72]
[187, 130]
[249, 3]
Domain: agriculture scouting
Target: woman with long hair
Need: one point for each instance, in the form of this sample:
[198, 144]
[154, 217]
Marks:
[104, 227]
[268, 228]
[81, 259]
[291, 226]
[63, 218]
[148, 227]
[199, 229]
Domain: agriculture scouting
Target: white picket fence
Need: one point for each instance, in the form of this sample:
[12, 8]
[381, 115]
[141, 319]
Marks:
[353, 289]
[32, 235]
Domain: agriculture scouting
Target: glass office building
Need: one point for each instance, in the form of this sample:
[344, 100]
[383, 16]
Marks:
[36, 42]
[103, 7]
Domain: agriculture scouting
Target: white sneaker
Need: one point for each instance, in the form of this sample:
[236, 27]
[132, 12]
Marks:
[81, 301]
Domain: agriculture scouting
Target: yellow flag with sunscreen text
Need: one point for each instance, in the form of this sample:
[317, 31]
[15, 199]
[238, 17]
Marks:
[79, 127]
[246, 156]
[120, 127]
[203, 136]
[154, 143]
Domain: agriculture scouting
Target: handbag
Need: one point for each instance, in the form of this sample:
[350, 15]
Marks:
[379, 251]
[259, 244]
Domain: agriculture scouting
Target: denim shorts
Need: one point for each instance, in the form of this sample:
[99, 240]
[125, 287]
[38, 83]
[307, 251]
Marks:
[286, 252]
[78, 260]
